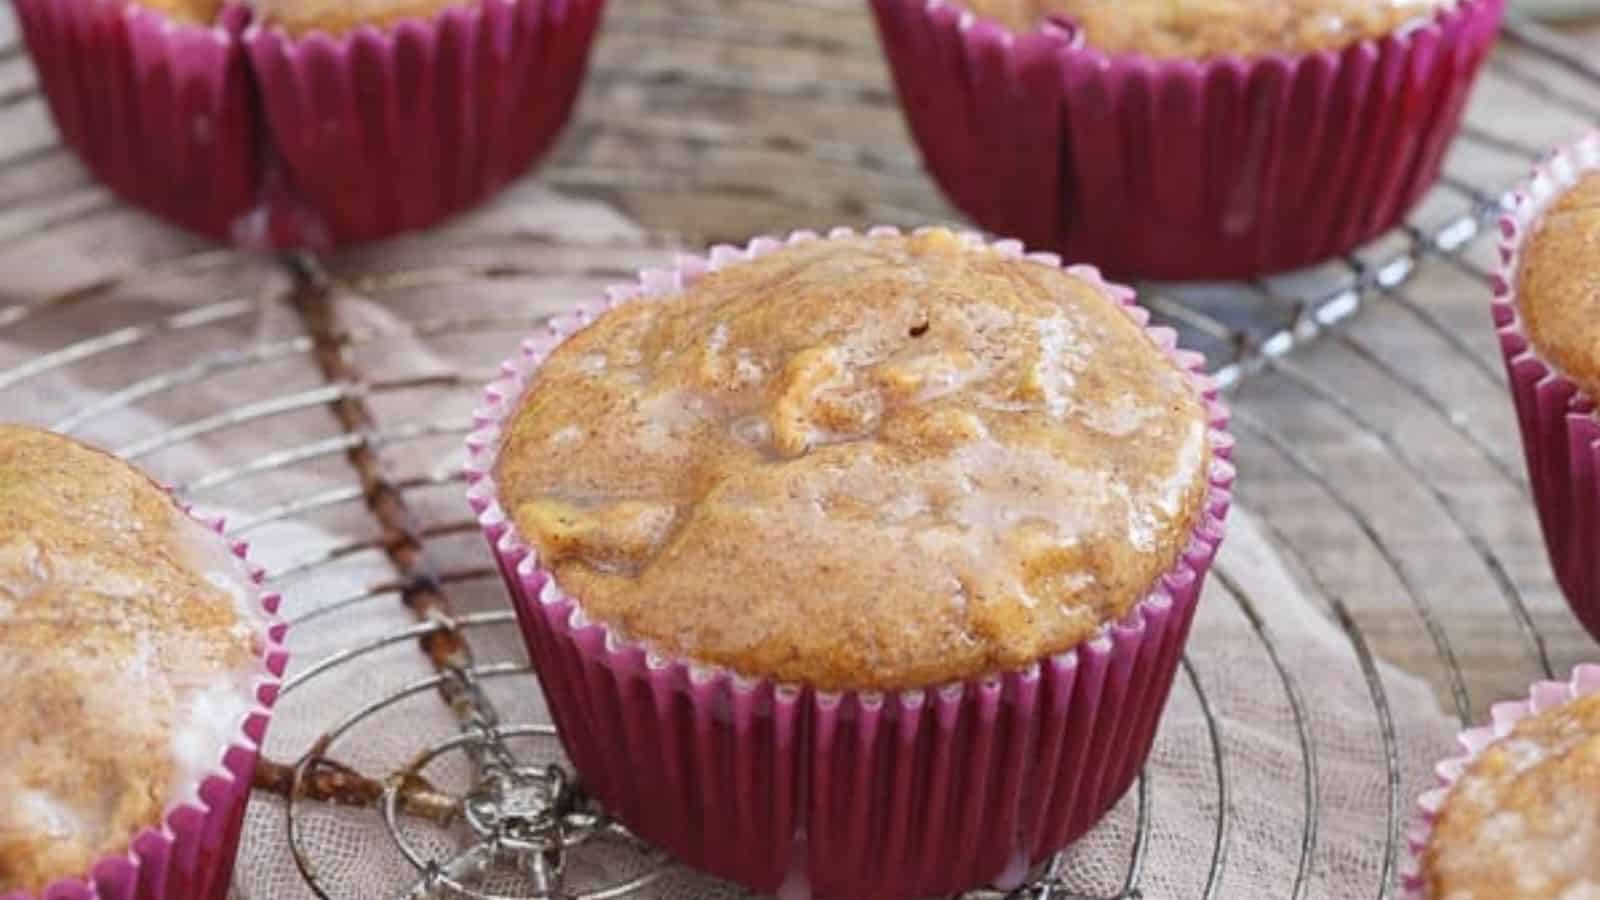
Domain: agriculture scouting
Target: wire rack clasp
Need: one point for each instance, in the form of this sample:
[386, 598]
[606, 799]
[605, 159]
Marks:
[530, 817]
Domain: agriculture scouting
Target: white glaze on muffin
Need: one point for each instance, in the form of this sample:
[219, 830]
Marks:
[874, 462]
[1523, 822]
[130, 638]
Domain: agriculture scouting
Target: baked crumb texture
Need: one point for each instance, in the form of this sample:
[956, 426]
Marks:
[1558, 284]
[301, 17]
[189, 12]
[1211, 28]
[122, 648]
[1523, 821]
[334, 17]
[862, 463]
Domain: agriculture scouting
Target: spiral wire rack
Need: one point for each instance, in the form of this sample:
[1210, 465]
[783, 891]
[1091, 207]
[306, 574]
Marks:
[710, 120]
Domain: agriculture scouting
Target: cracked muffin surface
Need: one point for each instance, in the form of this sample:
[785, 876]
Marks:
[861, 463]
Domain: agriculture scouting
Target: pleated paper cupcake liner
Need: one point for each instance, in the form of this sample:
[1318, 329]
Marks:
[243, 133]
[162, 112]
[1560, 431]
[393, 129]
[1177, 168]
[1542, 697]
[855, 794]
[190, 855]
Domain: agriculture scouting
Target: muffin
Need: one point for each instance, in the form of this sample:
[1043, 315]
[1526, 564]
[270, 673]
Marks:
[186, 12]
[334, 17]
[1204, 29]
[139, 657]
[156, 101]
[1519, 817]
[1183, 140]
[823, 545]
[1546, 310]
[308, 123]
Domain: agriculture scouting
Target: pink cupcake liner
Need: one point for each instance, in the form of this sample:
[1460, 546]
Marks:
[242, 133]
[190, 856]
[1180, 169]
[161, 112]
[1560, 432]
[852, 794]
[387, 130]
[1542, 697]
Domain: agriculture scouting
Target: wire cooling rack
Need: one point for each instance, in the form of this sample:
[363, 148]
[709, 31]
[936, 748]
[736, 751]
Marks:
[1382, 460]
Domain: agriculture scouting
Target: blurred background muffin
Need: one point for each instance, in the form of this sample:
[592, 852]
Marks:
[157, 102]
[311, 123]
[389, 115]
[1188, 140]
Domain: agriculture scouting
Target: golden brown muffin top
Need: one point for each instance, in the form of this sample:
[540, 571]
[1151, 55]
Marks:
[1208, 28]
[873, 463]
[193, 12]
[1558, 284]
[1523, 822]
[126, 657]
[334, 17]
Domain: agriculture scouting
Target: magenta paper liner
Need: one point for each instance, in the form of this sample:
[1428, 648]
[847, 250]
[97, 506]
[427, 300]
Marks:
[387, 130]
[853, 794]
[244, 134]
[191, 855]
[1544, 696]
[1181, 169]
[1560, 432]
[163, 113]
